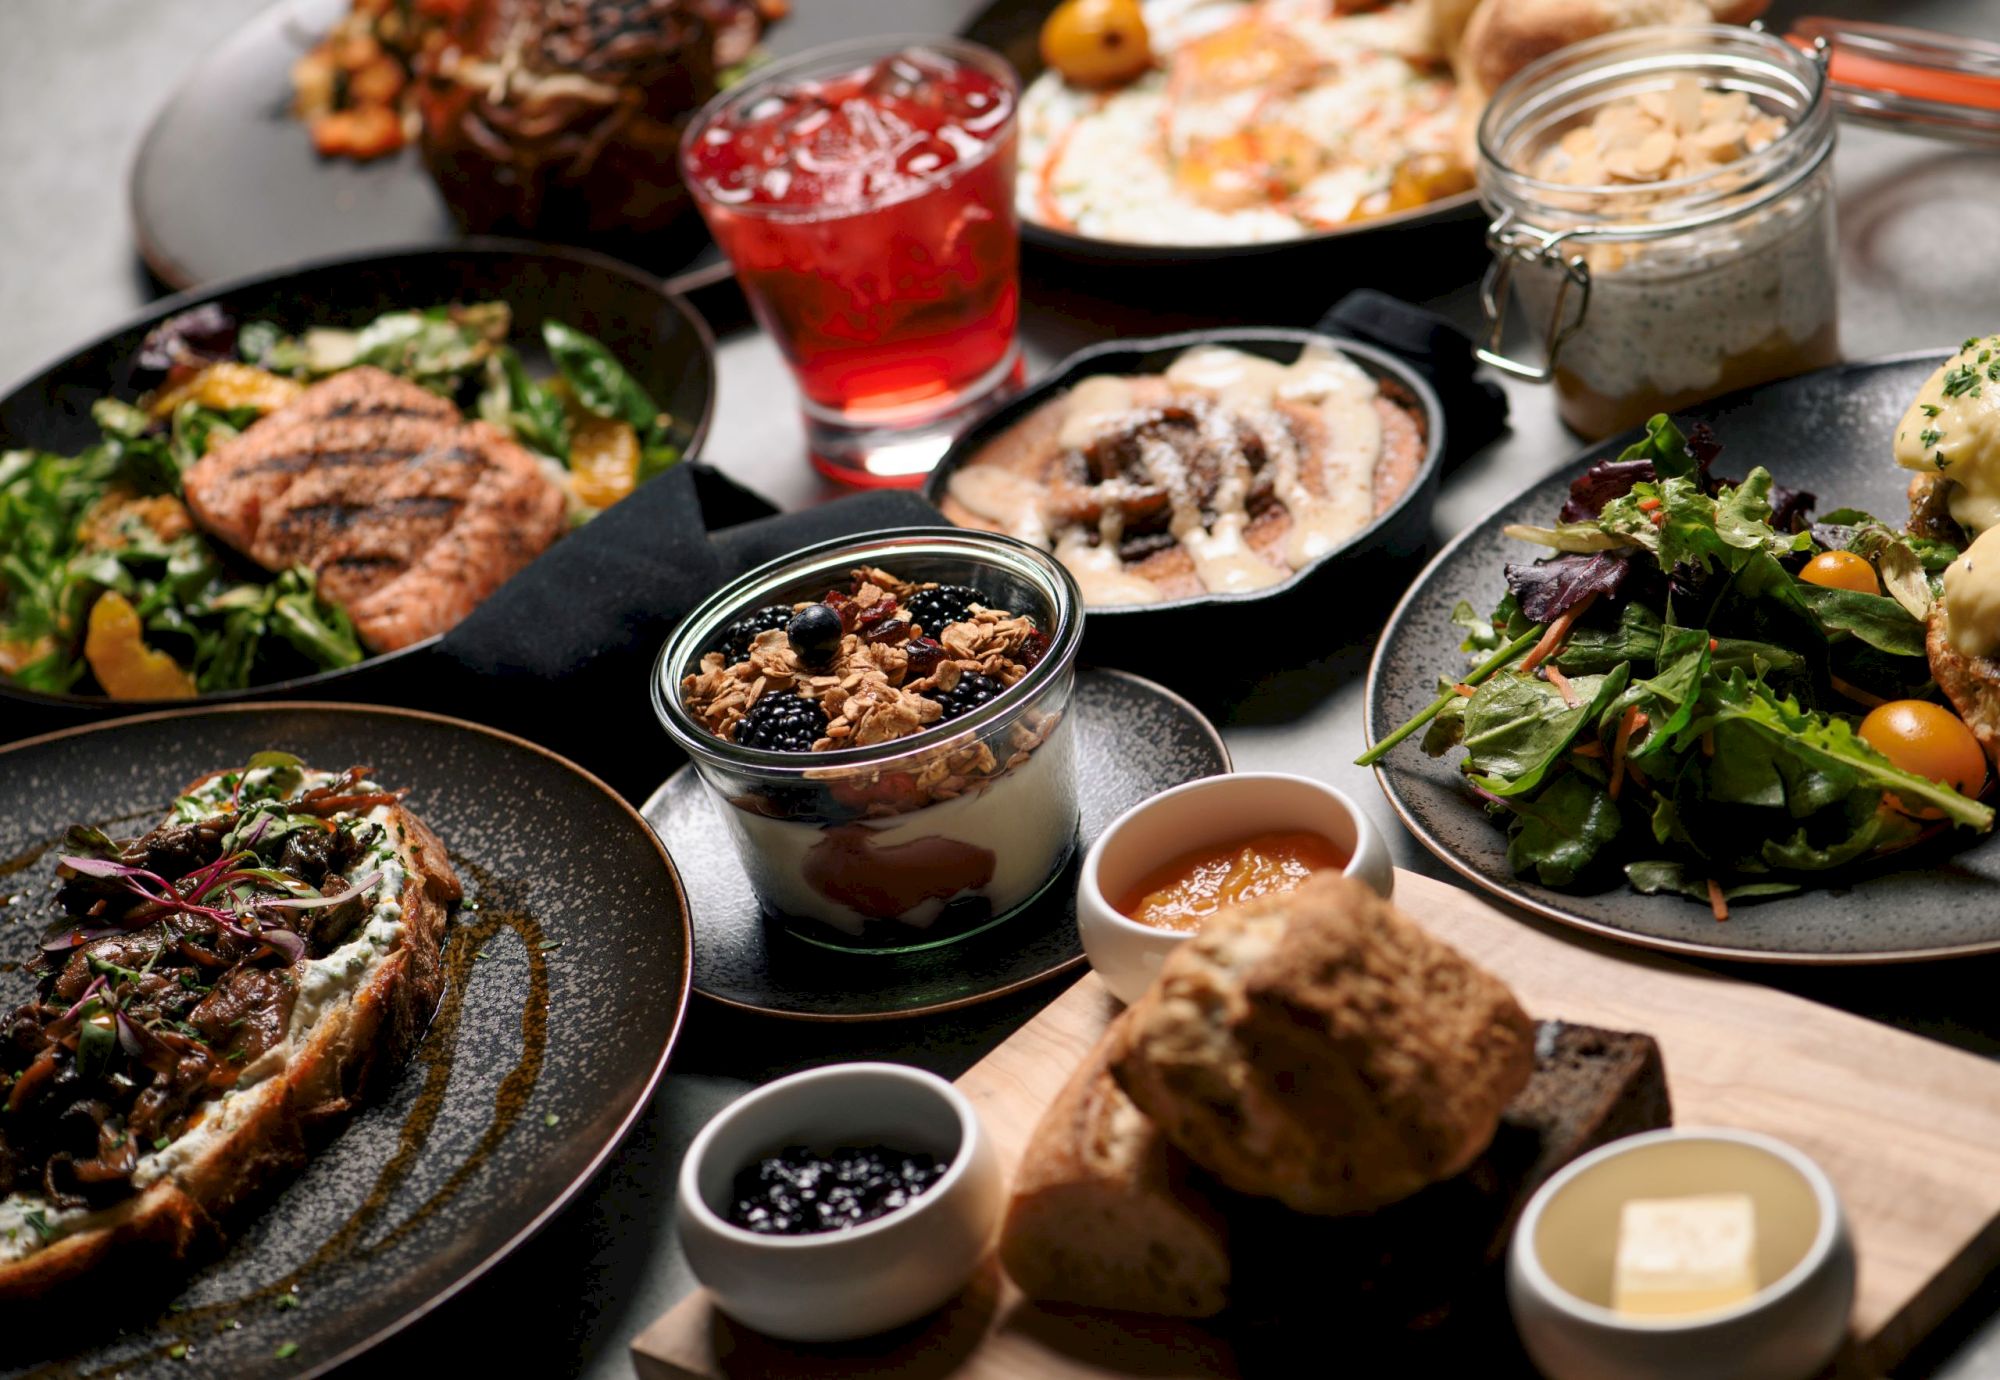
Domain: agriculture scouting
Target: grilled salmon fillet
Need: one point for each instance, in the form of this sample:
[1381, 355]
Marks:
[408, 514]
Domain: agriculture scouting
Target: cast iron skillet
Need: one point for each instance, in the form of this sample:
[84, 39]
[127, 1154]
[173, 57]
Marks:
[656, 335]
[1013, 28]
[1827, 431]
[567, 978]
[1399, 532]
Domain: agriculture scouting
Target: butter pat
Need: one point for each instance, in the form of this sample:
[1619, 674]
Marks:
[1685, 1255]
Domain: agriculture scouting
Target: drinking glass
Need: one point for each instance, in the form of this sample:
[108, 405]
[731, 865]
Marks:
[865, 194]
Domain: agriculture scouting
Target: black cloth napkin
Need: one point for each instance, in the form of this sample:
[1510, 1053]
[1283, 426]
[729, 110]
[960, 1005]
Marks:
[1475, 407]
[563, 653]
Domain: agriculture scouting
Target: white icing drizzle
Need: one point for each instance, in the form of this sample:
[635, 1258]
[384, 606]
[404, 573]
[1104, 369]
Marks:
[1211, 528]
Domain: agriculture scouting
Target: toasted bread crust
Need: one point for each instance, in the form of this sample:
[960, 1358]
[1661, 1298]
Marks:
[359, 1038]
[1971, 683]
[1107, 1213]
[1321, 1049]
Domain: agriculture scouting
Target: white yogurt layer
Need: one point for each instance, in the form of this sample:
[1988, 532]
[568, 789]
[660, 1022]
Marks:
[1026, 818]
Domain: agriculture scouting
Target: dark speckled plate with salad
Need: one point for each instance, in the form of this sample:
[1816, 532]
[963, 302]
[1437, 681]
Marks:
[553, 382]
[1646, 700]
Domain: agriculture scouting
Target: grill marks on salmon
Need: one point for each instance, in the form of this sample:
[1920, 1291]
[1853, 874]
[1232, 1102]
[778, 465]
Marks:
[408, 514]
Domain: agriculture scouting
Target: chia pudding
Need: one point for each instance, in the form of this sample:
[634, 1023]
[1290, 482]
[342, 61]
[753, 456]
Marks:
[1700, 207]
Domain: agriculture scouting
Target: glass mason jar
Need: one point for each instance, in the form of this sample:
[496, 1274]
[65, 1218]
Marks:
[1653, 295]
[918, 841]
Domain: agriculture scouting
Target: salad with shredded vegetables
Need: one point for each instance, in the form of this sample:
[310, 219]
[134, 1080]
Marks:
[107, 584]
[1704, 689]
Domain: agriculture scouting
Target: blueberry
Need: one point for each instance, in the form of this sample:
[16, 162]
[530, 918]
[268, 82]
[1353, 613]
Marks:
[815, 632]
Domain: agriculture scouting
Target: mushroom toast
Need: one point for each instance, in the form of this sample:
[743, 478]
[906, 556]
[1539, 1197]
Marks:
[214, 997]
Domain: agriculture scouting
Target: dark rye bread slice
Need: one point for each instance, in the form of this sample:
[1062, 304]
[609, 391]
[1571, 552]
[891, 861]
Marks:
[1417, 1264]
[1124, 1221]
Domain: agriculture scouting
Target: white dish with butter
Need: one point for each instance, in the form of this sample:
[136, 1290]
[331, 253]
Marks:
[1687, 1254]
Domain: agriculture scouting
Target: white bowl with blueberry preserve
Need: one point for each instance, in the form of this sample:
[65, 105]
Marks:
[884, 724]
[840, 1202]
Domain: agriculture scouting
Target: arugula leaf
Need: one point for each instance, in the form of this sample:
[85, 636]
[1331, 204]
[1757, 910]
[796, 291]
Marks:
[1867, 829]
[1880, 622]
[1655, 877]
[1820, 751]
[1560, 833]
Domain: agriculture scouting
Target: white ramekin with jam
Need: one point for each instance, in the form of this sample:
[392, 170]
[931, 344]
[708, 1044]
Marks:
[884, 724]
[1663, 208]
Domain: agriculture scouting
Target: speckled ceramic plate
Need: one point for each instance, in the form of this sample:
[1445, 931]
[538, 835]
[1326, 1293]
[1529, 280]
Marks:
[1828, 432]
[567, 978]
[1134, 739]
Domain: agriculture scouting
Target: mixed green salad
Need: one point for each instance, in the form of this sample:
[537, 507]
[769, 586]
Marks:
[108, 587]
[1692, 687]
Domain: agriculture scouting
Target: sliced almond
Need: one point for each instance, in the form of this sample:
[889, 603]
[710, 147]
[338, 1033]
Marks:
[1722, 142]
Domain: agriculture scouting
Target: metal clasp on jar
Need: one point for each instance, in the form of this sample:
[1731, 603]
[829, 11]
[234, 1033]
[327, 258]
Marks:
[1513, 245]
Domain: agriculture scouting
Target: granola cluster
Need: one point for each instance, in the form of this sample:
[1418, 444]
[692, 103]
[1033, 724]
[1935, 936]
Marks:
[889, 677]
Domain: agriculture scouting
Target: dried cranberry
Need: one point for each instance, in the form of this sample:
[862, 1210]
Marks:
[841, 604]
[1034, 649]
[925, 657]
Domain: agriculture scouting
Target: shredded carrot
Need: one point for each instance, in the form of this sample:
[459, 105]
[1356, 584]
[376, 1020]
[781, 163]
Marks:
[1045, 191]
[1588, 749]
[1647, 505]
[1708, 742]
[1716, 901]
[1464, 689]
[1659, 517]
[1555, 634]
[1856, 693]
[1628, 724]
[1561, 683]
[1713, 645]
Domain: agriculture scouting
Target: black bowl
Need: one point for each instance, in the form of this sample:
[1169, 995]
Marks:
[662, 340]
[1155, 637]
[1415, 253]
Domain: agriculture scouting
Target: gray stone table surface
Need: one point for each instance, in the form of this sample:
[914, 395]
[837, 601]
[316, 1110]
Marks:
[80, 78]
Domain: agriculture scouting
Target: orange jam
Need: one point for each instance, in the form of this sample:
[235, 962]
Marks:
[1181, 894]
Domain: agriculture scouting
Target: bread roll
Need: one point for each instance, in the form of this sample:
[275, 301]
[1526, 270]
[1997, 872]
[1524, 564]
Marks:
[1501, 37]
[1320, 1049]
[1105, 1212]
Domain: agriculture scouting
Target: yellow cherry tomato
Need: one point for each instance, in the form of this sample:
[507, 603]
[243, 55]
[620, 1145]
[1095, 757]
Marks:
[1097, 42]
[1841, 570]
[1926, 739]
[229, 385]
[125, 667]
[603, 459]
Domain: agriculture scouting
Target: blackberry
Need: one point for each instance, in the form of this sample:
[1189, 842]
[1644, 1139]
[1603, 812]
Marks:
[786, 722]
[937, 608]
[737, 637]
[971, 691]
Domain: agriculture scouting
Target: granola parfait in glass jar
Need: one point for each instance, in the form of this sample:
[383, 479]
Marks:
[884, 725]
[1663, 208]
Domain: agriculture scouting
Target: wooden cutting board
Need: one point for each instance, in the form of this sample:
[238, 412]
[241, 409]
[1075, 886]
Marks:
[1908, 1129]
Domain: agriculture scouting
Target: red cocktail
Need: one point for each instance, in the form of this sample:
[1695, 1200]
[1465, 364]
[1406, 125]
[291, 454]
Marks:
[865, 195]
